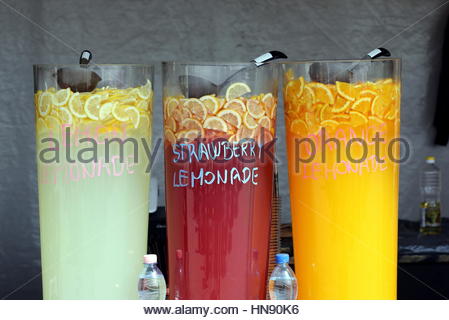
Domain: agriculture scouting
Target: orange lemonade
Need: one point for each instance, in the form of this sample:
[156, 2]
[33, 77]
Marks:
[343, 156]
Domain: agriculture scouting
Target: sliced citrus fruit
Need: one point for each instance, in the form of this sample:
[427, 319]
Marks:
[61, 97]
[368, 93]
[272, 114]
[40, 125]
[145, 91]
[341, 104]
[171, 105]
[76, 106]
[145, 122]
[191, 123]
[143, 105]
[211, 103]
[235, 104]
[170, 136]
[375, 120]
[177, 115]
[171, 124]
[269, 102]
[249, 121]
[230, 116]
[134, 115]
[362, 105]
[322, 93]
[380, 106]
[294, 88]
[92, 107]
[45, 103]
[307, 100]
[193, 134]
[185, 113]
[326, 112]
[329, 124]
[340, 117]
[119, 113]
[65, 116]
[106, 110]
[265, 122]
[346, 90]
[245, 133]
[357, 118]
[392, 114]
[236, 90]
[299, 127]
[232, 138]
[255, 109]
[53, 123]
[215, 123]
[197, 108]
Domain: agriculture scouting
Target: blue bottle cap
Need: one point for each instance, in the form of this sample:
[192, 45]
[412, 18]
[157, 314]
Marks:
[282, 258]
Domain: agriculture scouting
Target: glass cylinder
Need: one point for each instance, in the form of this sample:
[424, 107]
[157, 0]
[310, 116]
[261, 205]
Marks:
[93, 133]
[219, 156]
[342, 121]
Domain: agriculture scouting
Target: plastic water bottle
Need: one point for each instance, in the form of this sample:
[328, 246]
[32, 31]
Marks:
[283, 284]
[151, 281]
[430, 191]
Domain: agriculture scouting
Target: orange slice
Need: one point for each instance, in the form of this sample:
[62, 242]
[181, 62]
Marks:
[326, 112]
[307, 99]
[341, 105]
[265, 122]
[170, 136]
[171, 124]
[210, 103]
[322, 93]
[294, 88]
[329, 124]
[375, 120]
[357, 118]
[215, 123]
[249, 121]
[255, 108]
[380, 106]
[367, 93]
[346, 90]
[299, 127]
[236, 90]
[197, 108]
[235, 104]
[362, 105]
[232, 117]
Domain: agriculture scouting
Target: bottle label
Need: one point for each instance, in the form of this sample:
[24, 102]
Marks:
[430, 214]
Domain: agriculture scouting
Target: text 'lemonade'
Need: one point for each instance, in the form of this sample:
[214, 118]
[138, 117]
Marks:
[93, 199]
[219, 172]
[343, 172]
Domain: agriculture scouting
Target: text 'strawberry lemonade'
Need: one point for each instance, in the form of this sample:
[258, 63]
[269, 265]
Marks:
[343, 152]
[93, 204]
[219, 179]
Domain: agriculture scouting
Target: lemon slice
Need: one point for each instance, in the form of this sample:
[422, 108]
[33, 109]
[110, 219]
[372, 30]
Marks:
[143, 105]
[106, 110]
[192, 134]
[357, 119]
[145, 92]
[249, 121]
[235, 104]
[236, 90]
[53, 124]
[61, 97]
[145, 122]
[65, 116]
[231, 116]
[178, 115]
[119, 113]
[245, 133]
[255, 109]
[40, 125]
[345, 90]
[265, 122]
[76, 106]
[269, 101]
[170, 136]
[191, 123]
[299, 127]
[211, 103]
[92, 106]
[185, 113]
[133, 115]
[197, 108]
[215, 123]
[362, 105]
[171, 124]
[45, 103]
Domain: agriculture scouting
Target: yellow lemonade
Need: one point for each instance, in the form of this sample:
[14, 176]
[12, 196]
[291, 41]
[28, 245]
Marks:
[93, 210]
[343, 156]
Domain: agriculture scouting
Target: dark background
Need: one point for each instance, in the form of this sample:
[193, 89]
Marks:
[139, 31]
